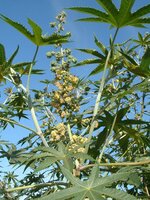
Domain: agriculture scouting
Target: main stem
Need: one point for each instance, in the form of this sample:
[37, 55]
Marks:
[30, 104]
[101, 87]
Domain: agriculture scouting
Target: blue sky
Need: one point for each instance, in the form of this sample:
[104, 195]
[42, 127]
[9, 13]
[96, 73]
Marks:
[43, 12]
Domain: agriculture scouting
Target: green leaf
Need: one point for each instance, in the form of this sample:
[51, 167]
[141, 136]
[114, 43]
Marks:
[17, 26]
[92, 19]
[143, 40]
[97, 70]
[51, 155]
[121, 113]
[145, 62]
[142, 69]
[45, 164]
[116, 18]
[10, 60]
[139, 22]
[129, 58]
[87, 62]
[36, 37]
[94, 188]
[37, 31]
[140, 37]
[92, 52]
[125, 10]
[133, 122]
[101, 15]
[118, 195]
[136, 87]
[2, 54]
[101, 46]
[110, 8]
[140, 13]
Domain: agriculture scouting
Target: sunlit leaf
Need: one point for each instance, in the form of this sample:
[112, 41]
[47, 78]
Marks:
[2, 54]
[94, 188]
[36, 37]
[114, 17]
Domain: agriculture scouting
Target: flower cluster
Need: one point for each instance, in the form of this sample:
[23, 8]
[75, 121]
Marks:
[77, 144]
[61, 19]
[58, 133]
[64, 99]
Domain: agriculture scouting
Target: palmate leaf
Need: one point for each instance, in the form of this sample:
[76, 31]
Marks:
[6, 65]
[143, 40]
[94, 188]
[36, 37]
[143, 68]
[125, 10]
[113, 16]
[137, 87]
[110, 8]
[49, 156]
[24, 67]
[101, 57]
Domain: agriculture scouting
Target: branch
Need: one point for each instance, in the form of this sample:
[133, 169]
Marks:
[35, 186]
[96, 108]
[16, 123]
[81, 168]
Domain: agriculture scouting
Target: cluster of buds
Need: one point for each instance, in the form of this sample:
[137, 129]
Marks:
[77, 144]
[61, 19]
[58, 133]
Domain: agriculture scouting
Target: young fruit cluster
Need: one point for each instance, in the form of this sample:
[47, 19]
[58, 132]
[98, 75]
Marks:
[77, 144]
[58, 133]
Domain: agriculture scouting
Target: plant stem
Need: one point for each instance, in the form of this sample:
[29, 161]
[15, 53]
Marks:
[107, 140]
[30, 104]
[69, 132]
[146, 162]
[109, 136]
[35, 186]
[115, 35]
[36, 124]
[96, 108]
[16, 123]
[101, 87]
[30, 70]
